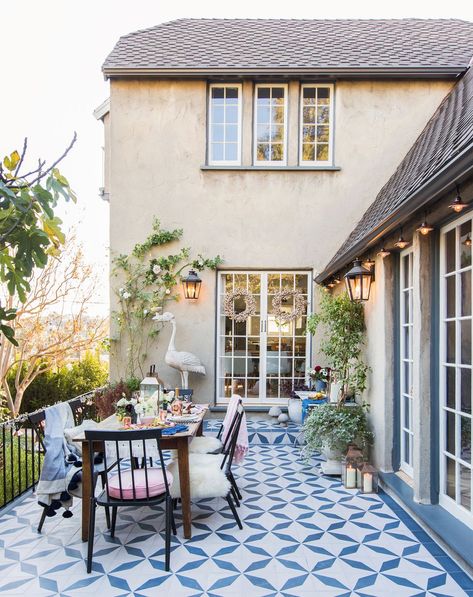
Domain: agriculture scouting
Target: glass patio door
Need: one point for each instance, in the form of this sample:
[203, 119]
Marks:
[455, 368]
[261, 358]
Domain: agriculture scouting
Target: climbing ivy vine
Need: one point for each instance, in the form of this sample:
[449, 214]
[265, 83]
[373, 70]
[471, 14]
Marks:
[146, 280]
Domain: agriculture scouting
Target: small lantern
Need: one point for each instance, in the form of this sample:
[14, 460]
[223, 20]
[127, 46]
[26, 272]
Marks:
[351, 467]
[358, 281]
[191, 284]
[369, 479]
[151, 384]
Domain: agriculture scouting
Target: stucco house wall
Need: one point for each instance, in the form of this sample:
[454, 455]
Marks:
[255, 219]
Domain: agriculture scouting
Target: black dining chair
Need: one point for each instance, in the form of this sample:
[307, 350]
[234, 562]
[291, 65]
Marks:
[78, 410]
[211, 474]
[37, 421]
[130, 485]
[229, 447]
[198, 445]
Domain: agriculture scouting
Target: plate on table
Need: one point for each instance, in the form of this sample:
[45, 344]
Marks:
[183, 418]
[311, 395]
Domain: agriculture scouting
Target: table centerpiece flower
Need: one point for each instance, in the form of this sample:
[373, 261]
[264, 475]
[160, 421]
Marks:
[320, 376]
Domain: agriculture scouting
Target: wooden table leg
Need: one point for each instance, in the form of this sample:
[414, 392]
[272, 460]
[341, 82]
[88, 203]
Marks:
[86, 490]
[183, 461]
[200, 429]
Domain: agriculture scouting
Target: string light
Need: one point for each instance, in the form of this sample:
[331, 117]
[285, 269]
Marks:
[458, 204]
[384, 253]
[425, 228]
[401, 243]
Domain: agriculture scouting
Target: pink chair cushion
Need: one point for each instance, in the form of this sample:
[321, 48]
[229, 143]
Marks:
[156, 484]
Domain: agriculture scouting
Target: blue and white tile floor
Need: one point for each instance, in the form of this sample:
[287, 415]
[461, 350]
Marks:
[303, 535]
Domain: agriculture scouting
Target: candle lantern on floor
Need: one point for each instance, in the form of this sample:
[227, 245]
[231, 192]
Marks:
[369, 479]
[351, 467]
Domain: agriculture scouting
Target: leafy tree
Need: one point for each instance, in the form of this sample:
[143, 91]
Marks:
[63, 382]
[29, 230]
[52, 325]
[343, 340]
[146, 282]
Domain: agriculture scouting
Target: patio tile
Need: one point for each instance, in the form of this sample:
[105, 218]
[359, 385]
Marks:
[303, 534]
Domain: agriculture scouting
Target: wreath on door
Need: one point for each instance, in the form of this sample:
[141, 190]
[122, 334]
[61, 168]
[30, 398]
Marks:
[229, 305]
[298, 310]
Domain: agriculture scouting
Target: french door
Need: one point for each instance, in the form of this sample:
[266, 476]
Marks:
[406, 361]
[456, 368]
[261, 358]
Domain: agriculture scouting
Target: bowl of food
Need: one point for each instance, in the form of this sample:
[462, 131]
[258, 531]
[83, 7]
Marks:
[147, 420]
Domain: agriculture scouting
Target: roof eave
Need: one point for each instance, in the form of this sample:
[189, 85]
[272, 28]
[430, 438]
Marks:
[431, 72]
[454, 171]
[101, 111]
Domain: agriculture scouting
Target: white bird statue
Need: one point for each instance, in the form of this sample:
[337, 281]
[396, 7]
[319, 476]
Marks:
[184, 362]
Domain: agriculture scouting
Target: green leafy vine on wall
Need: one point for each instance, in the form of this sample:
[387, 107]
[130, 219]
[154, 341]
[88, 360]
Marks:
[146, 282]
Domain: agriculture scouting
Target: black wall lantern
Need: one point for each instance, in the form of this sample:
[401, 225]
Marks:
[358, 282]
[191, 284]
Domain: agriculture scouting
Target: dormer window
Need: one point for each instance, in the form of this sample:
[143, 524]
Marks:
[224, 147]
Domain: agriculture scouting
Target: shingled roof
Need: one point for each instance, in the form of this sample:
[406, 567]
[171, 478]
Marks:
[446, 139]
[399, 47]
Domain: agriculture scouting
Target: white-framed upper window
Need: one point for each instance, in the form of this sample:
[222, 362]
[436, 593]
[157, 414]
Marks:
[270, 135]
[316, 125]
[224, 126]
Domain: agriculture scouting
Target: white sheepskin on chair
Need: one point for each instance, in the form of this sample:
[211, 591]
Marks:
[206, 477]
[205, 445]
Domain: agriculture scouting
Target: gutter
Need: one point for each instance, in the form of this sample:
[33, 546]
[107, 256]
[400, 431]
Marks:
[429, 192]
[419, 71]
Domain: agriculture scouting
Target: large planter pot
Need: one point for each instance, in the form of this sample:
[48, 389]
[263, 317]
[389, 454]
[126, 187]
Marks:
[294, 409]
[333, 462]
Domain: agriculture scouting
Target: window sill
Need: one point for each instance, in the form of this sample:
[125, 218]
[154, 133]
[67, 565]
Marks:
[277, 168]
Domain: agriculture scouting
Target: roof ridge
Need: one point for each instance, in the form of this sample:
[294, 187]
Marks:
[293, 20]
[431, 47]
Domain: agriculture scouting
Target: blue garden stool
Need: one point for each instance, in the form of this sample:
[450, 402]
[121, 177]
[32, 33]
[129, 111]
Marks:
[307, 403]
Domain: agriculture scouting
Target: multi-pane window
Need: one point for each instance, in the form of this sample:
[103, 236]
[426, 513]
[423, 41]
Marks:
[225, 124]
[456, 369]
[407, 360]
[316, 124]
[270, 124]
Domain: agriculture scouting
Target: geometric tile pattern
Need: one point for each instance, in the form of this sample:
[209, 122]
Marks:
[303, 535]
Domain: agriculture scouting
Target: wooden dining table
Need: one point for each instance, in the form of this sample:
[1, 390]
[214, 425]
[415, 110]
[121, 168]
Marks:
[179, 442]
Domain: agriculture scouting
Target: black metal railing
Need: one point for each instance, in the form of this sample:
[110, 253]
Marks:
[21, 453]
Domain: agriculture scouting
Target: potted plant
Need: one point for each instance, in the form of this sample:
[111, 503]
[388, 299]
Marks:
[344, 327]
[330, 428]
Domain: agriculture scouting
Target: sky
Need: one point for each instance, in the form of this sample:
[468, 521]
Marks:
[52, 52]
